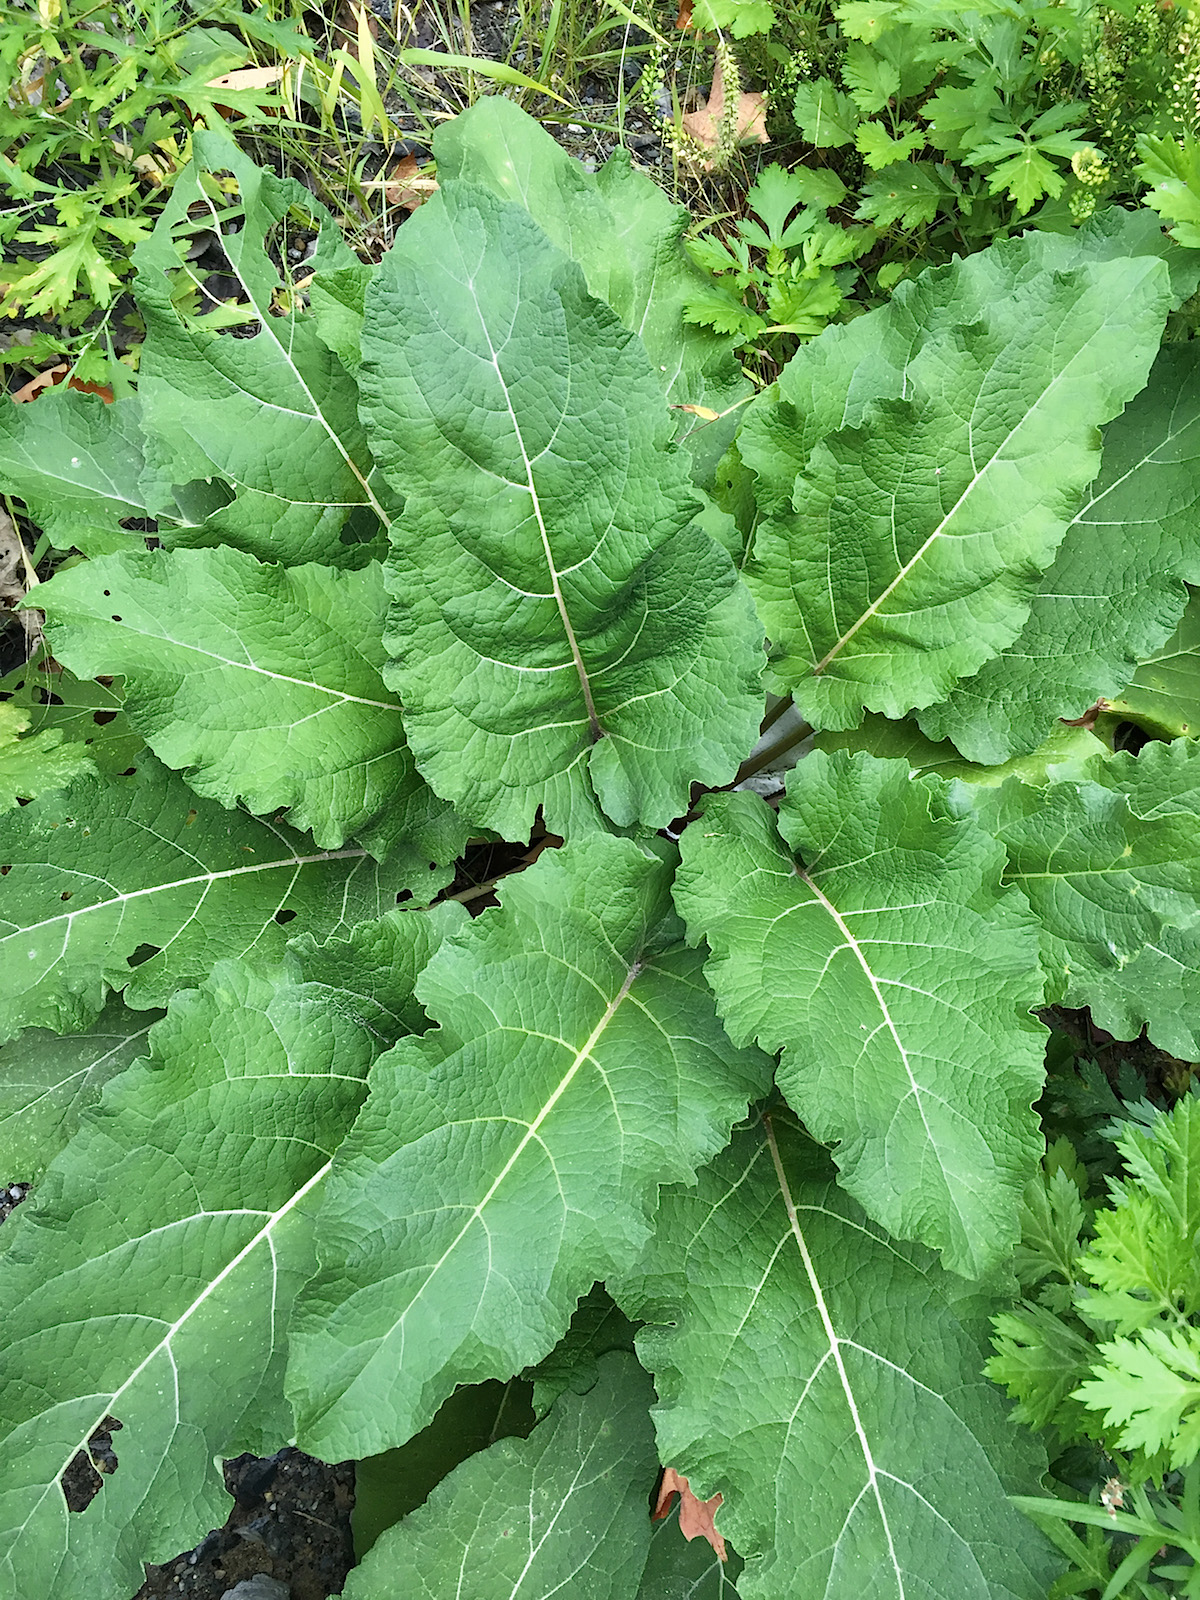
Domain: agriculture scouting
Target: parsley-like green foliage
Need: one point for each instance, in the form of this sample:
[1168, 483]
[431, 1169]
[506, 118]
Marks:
[1116, 1357]
[457, 584]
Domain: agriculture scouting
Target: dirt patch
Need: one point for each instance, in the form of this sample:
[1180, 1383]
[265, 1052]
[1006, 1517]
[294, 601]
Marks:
[290, 1521]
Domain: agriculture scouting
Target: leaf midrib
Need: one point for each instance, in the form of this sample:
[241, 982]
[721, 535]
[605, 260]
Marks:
[177, 883]
[267, 672]
[582, 1055]
[834, 1343]
[316, 413]
[977, 477]
[530, 487]
[209, 1289]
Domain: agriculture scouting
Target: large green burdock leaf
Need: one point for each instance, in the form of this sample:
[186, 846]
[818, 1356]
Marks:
[563, 632]
[1114, 591]
[625, 234]
[48, 1079]
[830, 382]
[826, 1380]
[273, 417]
[513, 1157]
[136, 883]
[1164, 693]
[1111, 867]
[156, 1268]
[876, 949]
[77, 465]
[263, 683]
[563, 1512]
[914, 541]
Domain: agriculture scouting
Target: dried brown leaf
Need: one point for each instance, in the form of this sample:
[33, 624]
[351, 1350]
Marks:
[750, 127]
[696, 1517]
[406, 187]
[54, 375]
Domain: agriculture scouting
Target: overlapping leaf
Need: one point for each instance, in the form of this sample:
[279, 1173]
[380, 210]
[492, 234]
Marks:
[1110, 864]
[562, 1512]
[1164, 693]
[830, 383]
[683, 1569]
[563, 632]
[869, 1457]
[77, 464]
[82, 713]
[47, 1080]
[34, 763]
[156, 1271]
[876, 949]
[914, 542]
[1113, 592]
[274, 417]
[136, 883]
[263, 683]
[513, 1157]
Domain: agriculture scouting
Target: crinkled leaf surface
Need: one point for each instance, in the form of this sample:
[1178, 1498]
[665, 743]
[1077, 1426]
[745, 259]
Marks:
[562, 1512]
[1164, 694]
[914, 542]
[869, 1457]
[273, 416]
[263, 683]
[77, 465]
[48, 1079]
[876, 949]
[136, 883]
[625, 234]
[513, 1157]
[562, 631]
[1158, 989]
[1111, 866]
[156, 1269]
[1113, 592]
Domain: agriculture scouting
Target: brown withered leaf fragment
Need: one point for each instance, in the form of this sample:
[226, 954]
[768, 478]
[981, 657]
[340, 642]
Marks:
[1088, 719]
[407, 187]
[696, 1517]
[54, 375]
[684, 19]
[704, 125]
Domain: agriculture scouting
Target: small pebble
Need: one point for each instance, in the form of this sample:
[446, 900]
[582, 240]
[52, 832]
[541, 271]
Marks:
[260, 1587]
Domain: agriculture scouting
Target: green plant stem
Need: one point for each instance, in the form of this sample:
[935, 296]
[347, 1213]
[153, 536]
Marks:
[772, 753]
